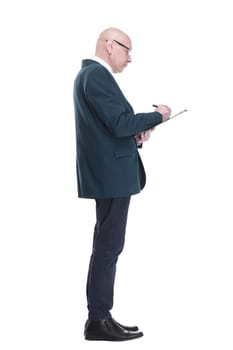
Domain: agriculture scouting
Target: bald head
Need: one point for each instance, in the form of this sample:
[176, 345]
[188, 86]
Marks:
[113, 33]
[113, 46]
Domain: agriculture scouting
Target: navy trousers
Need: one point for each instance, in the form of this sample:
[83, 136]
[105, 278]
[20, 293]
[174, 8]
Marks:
[108, 243]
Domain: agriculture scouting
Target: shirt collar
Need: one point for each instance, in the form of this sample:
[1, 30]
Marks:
[103, 63]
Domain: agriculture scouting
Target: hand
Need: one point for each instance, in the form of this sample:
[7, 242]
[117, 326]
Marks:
[165, 111]
[144, 136]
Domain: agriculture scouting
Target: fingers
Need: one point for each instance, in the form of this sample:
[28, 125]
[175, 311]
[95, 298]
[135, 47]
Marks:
[165, 111]
[145, 135]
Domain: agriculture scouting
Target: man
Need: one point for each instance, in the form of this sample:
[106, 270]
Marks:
[109, 170]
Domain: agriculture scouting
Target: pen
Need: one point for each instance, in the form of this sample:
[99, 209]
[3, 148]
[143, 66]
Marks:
[156, 106]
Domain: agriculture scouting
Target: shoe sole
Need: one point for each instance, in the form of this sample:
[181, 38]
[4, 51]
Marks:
[94, 338]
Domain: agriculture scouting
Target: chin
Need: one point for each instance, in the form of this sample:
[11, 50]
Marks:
[121, 69]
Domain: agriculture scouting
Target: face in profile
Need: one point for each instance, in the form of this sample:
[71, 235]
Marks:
[120, 54]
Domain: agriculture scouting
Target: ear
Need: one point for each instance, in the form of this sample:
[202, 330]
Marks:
[109, 46]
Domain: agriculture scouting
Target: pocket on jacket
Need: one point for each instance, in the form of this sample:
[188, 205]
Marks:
[125, 150]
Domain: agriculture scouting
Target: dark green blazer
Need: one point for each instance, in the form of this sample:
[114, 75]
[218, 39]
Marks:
[108, 162]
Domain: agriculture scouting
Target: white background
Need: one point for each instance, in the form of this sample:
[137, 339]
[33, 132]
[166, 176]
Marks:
[175, 275]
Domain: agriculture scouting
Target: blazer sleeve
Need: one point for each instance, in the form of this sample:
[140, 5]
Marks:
[111, 107]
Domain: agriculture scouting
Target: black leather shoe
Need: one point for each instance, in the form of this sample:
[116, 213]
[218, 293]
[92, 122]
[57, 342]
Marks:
[127, 328]
[108, 330]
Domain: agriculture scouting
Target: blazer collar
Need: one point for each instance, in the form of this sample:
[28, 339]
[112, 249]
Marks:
[103, 63]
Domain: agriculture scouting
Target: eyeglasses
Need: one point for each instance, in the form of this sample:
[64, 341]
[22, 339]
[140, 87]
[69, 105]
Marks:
[126, 47]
